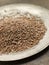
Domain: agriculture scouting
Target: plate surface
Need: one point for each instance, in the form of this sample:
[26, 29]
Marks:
[37, 11]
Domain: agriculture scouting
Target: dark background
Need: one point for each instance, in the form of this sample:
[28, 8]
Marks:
[41, 58]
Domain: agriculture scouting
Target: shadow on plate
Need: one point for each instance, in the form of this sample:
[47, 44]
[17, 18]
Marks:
[31, 58]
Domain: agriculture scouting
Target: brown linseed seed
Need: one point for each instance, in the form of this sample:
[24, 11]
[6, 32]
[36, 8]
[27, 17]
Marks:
[18, 34]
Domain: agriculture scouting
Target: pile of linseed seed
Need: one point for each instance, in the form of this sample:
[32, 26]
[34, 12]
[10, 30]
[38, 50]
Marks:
[20, 33]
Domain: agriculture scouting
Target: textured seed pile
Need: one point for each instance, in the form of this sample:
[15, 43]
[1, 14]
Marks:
[20, 33]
